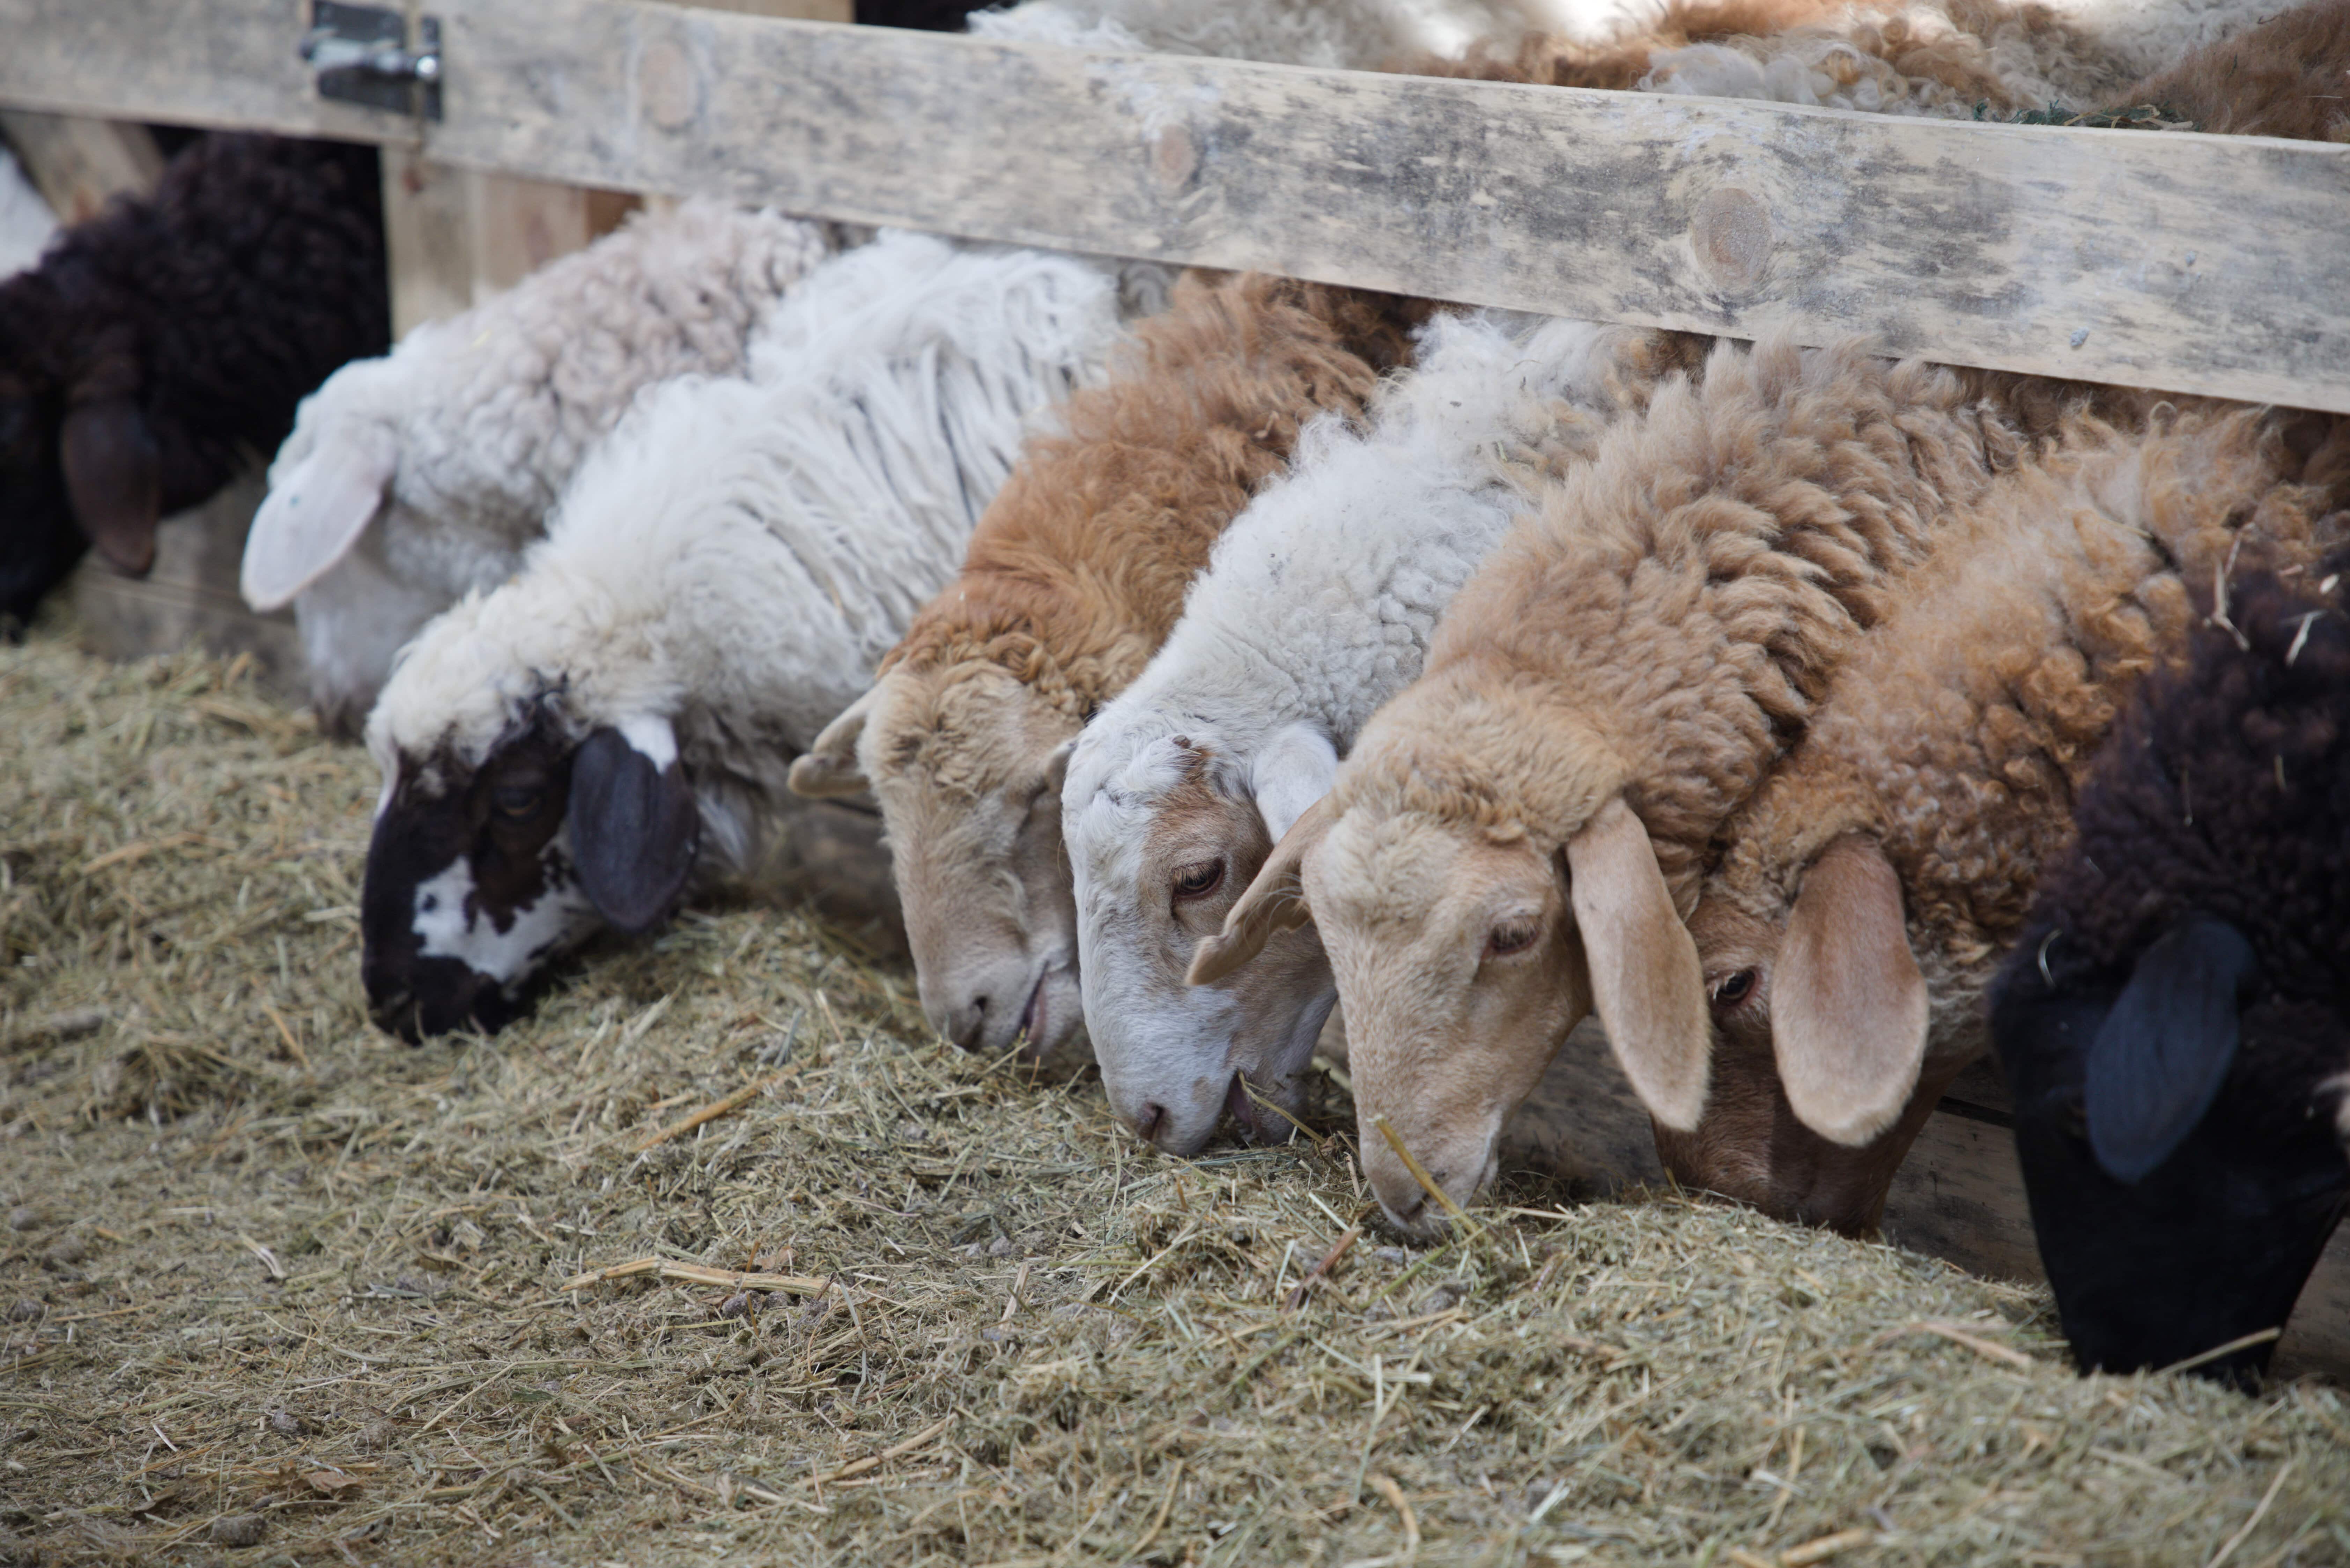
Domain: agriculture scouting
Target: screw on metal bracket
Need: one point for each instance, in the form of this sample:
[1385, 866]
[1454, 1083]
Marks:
[361, 56]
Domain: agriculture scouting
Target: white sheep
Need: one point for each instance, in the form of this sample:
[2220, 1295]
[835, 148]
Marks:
[718, 580]
[1339, 34]
[1316, 607]
[413, 479]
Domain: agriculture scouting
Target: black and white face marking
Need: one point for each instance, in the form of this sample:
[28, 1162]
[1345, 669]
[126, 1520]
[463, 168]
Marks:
[470, 887]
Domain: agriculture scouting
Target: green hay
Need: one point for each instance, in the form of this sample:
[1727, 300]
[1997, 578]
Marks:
[274, 1278]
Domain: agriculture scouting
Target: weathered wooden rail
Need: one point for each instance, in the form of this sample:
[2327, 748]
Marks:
[2189, 263]
[2194, 264]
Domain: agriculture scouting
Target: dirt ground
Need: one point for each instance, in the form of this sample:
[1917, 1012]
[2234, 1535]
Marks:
[280, 1289]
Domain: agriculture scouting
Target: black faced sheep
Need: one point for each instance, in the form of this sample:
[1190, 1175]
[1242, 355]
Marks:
[574, 747]
[160, 346]
[2174, 1022]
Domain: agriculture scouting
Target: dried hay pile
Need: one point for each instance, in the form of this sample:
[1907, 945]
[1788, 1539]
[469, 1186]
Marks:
[280, 1289]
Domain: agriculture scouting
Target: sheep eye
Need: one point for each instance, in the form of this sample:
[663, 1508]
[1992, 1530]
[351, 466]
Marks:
[1511, 938]
[516, 803]
[1194, 881]
[1731, 989]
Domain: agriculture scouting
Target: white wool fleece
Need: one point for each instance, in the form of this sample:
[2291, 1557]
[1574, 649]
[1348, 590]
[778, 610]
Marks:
[1337, 34]
[1316, 606]
[737, 557]
[481, 420]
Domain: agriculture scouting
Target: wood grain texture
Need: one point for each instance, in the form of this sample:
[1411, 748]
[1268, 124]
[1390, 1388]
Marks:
[79, 164]
[2194, 264]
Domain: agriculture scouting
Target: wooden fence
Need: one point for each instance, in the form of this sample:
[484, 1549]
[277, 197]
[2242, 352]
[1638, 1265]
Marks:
[2193, 264]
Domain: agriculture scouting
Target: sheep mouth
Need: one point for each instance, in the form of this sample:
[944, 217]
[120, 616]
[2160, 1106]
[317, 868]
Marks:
[1257, 1124]
[1032, 1021]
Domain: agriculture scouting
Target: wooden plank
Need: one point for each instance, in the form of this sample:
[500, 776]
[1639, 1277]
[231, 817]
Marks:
[455, 237]
[2194, 264]
[79, 164]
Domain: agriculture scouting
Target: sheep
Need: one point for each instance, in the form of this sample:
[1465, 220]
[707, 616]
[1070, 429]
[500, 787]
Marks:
[1288, 643]
[158, 344]
[2173, 1021]
[1864, 894]
[412, 479]
[2286, 77]
[26, 224]
[1075, 577]
[1342, 35]
[1518, 833]
[574, 747]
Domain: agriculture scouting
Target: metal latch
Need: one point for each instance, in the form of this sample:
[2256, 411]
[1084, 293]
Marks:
[361, 56]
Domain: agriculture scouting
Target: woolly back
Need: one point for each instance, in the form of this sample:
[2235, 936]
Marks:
[2283, 77]
[1958, 730]
[1319, 601]
[747, 548]
[484, 416]
[1078, 570]
[1343, 34]
[1679, 602]
[2224, 791]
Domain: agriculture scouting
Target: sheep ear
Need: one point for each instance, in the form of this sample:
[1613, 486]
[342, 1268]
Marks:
[2164, 1050]
[1274, 903]
[829, 767]
[1293, 770]
[310, 519]
[1848, 1004]
[635, 824]
[114, 477]
[1646, 979]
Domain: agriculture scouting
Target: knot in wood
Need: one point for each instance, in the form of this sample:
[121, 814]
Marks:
[1174, 157]
[1731, 233]
[669, 82]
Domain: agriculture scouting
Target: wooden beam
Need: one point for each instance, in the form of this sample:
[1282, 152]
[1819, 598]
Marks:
[2189, 263]
[79, 164]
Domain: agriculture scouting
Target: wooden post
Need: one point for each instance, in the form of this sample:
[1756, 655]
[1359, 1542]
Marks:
[456, 237]
[79, 165]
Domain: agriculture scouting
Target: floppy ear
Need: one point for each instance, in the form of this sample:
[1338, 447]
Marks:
[2163, 1049]
[1646, 981]
[1293, 770]
[311, 518]
[635, 824]
[114, 477]
[1274, 903]
[1847, 1001]
[829, 767]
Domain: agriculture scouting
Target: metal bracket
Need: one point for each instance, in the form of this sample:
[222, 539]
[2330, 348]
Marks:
[361, 56]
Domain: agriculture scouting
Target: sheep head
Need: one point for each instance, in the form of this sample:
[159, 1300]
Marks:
[79, 465]
[1470, 925]
[510, 829]
[1164, 831]
[966, 762]
[1820, 1077]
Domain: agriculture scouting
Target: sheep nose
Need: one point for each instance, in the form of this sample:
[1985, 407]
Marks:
[1408, 1219]
[966, 1023]
[1146, 1121]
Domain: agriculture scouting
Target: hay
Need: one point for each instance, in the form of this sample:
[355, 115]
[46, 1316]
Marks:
[278, 1288]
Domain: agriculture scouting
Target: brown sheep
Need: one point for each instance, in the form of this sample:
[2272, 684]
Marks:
[1868, 890]
[2290, 77]
[1076, 573]
[1518, 834]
